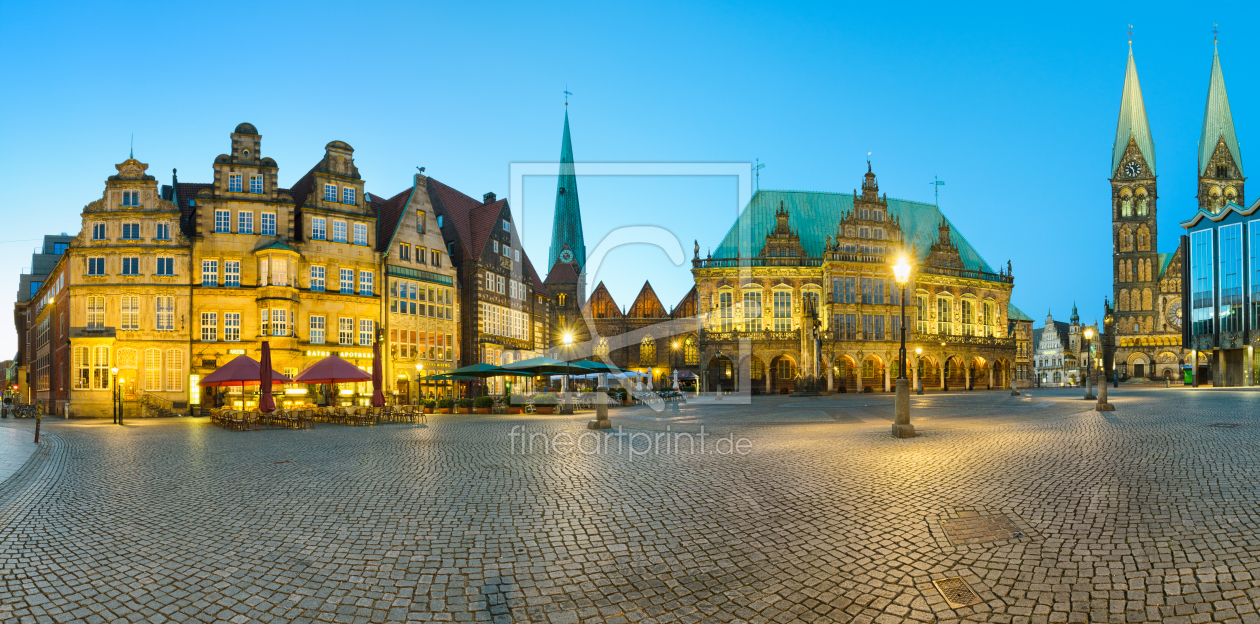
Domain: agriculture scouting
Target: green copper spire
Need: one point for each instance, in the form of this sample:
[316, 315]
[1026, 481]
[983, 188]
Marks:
[1218, 123]
[1133, 122]
[566, 229]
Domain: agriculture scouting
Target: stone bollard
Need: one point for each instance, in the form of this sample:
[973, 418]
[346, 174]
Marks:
[601, 412]
[717, 396]
[901, 424]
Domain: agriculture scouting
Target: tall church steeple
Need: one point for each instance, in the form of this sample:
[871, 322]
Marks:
[1220, 161]
[1132, 128]
[566, 229]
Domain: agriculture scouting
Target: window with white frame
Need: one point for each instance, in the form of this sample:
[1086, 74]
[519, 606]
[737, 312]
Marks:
[222, 221]
[131, 198]
[96, 266]
[163, 229]
[166, 266]
[209, 326]
[165, 312]
[209, 272]
[95, 312]
[152, 370]
[131, 265]
[347, 195]
[264, 271]
[245, 222]
[98, 230]
[330, 192]
[507, 227]
[279, 322]
[347, 281]
[316, 332]
[365, 283]
[339, 231]
[319, 228]
[264, 318]
[365, 332]
[232, 326]
[174, 370]
[100, 367]
[234, 183]
[129, 306]
[268, 224]
[501, 289]
[280, 272]
[360, 234]
[255, 184]
[131, 230]
[345, 330]
[489, 281]
[81, 368]
[231, 272]
[317, 279]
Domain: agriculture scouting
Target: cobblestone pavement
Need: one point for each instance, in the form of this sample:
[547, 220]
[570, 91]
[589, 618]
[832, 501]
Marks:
[16, 446]
[1046, 512]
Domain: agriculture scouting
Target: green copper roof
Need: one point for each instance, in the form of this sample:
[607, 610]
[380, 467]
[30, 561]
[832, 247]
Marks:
[1217, 120]
[814, 216]
[566, 229]
[1015, 314]
[1132, 121]
[1164, 260]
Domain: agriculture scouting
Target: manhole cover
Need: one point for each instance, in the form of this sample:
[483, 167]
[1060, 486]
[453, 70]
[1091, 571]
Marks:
[1224, 425]
[956, 592]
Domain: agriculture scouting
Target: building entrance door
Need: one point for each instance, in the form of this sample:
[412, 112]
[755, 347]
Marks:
[1139, 370]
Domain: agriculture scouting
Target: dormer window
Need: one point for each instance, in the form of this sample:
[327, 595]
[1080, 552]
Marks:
[507, 227]
[255, 183]
[234, 183]
[330, 193]
[347, 196]
[131, 198]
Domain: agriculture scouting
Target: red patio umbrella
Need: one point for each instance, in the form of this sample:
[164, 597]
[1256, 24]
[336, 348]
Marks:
[266, 404]
[378, 398]
[242, 371]
[332, 369]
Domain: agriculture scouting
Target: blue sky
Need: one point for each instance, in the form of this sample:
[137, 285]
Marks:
[1014, 105]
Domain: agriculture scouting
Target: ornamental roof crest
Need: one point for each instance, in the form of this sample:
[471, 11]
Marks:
[131, 169]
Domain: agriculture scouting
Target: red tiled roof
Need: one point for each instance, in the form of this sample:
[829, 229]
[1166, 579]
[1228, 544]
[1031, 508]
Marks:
[474, 221]
[389, 214]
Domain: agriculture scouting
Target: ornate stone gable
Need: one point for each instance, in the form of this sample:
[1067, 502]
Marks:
[131, 169]
[782, 242]
[1221, 180]
[1132, 155]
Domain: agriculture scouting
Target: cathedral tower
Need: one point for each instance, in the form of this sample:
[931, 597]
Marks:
[1220, 161]
[566, 263]
[1136, 264]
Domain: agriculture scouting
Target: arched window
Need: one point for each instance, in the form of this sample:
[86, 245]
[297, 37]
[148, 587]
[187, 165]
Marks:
[1122, 301]
[691, 351]
[1126, 207]
[1141, 206]
[1144, 239]
[1147, 302]
[647, 351]
[601, 347]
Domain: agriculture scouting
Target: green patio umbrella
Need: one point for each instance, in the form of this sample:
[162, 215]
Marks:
[592, 366]
[542, 366]
[483, 371]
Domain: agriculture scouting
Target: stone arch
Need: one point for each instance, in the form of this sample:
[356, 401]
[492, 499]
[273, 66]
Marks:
[1147, 302]
[1002, 373]
[979, 368]
[930, 371]
[1124, 240]
[691, 350]
[844, 372]
[1122, 301]
[719, 369]
[1143, 238]
[647, 351]
[955, 373]
[756, 372]
[1139, 364]
[1126, 203]
[1231, 195]
[782, 373]
[872, 373]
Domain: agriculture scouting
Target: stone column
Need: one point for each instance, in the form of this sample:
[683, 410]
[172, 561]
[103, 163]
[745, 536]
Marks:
[967, 370]
[942, 367]
[830, 378]
[601, 407]
[887, 376]
[990, 376]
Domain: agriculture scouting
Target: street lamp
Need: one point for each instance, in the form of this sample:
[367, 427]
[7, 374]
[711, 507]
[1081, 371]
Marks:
[918, 366]
[113, 378]
[901, 425]
[419, 386]
[1089, 377]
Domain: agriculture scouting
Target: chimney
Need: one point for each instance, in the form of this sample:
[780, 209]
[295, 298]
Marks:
[488, 197]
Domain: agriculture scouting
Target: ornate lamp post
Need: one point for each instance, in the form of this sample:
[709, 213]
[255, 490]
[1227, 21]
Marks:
[918, 367]
[1089, 370]
[901, 426]
[113, 378]
[419, 384]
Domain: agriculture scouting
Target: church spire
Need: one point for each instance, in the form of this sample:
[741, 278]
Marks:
[566, 229]
[1218, 123]
[1132, 125]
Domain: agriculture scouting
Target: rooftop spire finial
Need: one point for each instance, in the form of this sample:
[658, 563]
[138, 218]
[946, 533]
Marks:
[1130, 35]
[132, 151]
[1216, 31]
[567, 93]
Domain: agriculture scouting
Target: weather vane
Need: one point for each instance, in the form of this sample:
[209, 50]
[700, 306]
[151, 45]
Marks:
[936, 188]
[1215, 32]
[567, 93]
[757, 170]
[1130, 34]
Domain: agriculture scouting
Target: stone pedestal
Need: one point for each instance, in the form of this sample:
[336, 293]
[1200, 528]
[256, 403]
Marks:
[717, 396]
[601, 412]
[1014, 392]
[901, 425]
[1103, 405]
[1089, 388]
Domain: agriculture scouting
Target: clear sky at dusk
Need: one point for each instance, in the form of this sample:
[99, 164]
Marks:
[1013, 105]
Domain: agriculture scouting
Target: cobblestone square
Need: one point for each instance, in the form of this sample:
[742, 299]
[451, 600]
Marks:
[1048, 510]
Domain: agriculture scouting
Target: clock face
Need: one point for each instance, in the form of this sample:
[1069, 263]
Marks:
[566, 256]
[1132, 169]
